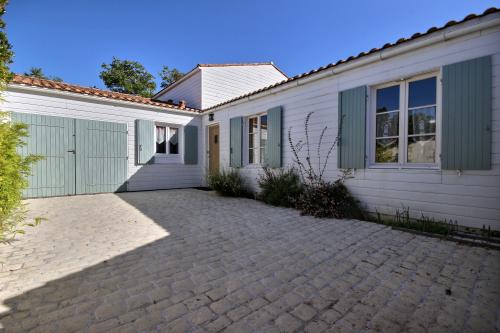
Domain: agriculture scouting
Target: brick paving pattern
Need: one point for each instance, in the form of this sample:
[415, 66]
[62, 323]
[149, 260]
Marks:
[189, 261]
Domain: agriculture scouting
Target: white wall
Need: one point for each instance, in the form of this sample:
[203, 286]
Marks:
[472, 197]
[168, 173]
[189, 90]
[223, 83]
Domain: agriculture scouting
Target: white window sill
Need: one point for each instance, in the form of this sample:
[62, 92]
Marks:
[403, 167]
[168, 159]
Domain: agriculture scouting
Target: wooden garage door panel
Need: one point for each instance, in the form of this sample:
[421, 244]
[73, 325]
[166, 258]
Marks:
[101, 156]
[51, 137]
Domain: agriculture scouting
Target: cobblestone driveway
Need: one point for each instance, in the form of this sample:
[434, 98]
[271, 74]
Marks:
[187, 260]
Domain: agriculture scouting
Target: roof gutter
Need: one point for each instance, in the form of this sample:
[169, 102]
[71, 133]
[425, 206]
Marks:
[437, 37]
[95, 99]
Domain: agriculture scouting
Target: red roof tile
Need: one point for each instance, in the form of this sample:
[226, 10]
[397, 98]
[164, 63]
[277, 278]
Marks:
[49, 84]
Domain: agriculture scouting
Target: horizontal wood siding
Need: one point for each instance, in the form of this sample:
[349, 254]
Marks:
[188, 90]
[471, 197]
[170, 172]
[223, 83]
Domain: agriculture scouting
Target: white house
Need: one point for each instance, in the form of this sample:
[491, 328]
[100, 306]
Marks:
[420, 125]
[209, 84]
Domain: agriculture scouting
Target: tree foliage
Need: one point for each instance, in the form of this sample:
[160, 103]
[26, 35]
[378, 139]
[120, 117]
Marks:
[5, 49]
[169, 76]
[38, 73]
[14, 168]
[129, 77]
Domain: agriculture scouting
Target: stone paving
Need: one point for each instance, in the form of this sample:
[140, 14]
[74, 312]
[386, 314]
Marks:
[189, 261]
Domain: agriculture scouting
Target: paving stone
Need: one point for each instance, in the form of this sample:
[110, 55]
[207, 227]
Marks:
[304, 312]
[188, 260]
[287, 323]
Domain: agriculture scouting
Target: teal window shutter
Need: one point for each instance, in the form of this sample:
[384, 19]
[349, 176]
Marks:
[274, 133]
[191, 144]
[144, 140]
[236, 139]
[467, 104]
[352, 128]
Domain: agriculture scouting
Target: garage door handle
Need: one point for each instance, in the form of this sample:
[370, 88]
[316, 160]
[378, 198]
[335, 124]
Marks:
[71, 151]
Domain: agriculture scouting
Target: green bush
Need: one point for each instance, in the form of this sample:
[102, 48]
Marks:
[279, 187]
[228, 183]
[14, 170]
[327, 199]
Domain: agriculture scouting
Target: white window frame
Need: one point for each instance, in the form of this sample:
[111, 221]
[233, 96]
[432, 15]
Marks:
[167, 135]
[247, 138]
[403, 126]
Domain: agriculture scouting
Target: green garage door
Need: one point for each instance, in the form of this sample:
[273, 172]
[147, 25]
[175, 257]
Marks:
[101, 156]
[81, 156]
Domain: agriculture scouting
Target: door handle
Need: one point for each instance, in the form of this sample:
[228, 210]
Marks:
[72, 151]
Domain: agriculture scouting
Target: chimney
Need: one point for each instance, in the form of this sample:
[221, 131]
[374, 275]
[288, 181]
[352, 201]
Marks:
[182, 104]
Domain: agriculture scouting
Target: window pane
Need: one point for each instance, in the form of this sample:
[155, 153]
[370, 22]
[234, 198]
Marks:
[388, 99]
[161, 147]
[173, 141]
[388, 124]
[263, 136]
[386, 151]
[422, 149]
[422, 92]
[252, 155]
[422, 121]
[252, 141]
[262, 155]
[252, 125]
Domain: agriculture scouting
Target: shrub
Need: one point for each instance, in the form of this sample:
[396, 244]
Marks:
[279, 187]
[228, 183]
[14, 170]
[327, 199]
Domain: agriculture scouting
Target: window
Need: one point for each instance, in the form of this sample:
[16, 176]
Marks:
[257, 137]
[167, 141]
[405, 123]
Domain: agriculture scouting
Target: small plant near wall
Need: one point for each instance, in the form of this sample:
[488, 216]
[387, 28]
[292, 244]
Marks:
[321, 198]
[14, 170]
[228, 183]
[280, 187]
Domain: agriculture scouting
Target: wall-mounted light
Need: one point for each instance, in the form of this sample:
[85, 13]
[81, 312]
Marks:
[210, 117]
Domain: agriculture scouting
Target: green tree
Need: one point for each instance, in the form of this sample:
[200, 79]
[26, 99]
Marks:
[14, 168]
[38, 73]
[5, 50]
[129, 77]
[169, 76]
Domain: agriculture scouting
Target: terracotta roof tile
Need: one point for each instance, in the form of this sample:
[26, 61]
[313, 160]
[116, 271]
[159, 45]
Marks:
[362, 54]
[49, 84]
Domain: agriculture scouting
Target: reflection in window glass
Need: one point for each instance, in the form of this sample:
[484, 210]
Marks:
[161, 146]
[386, 150]
[421, 149]
[388, 99]
[252, 140]
[421, 144]
[422, 92]
[263, 138]
[173, 141]
[422, 120]
[388, 124]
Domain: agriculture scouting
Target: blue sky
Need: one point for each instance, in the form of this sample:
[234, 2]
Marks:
[71, 39]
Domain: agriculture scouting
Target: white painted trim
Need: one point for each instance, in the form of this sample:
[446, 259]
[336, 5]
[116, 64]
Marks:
[403, 121]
